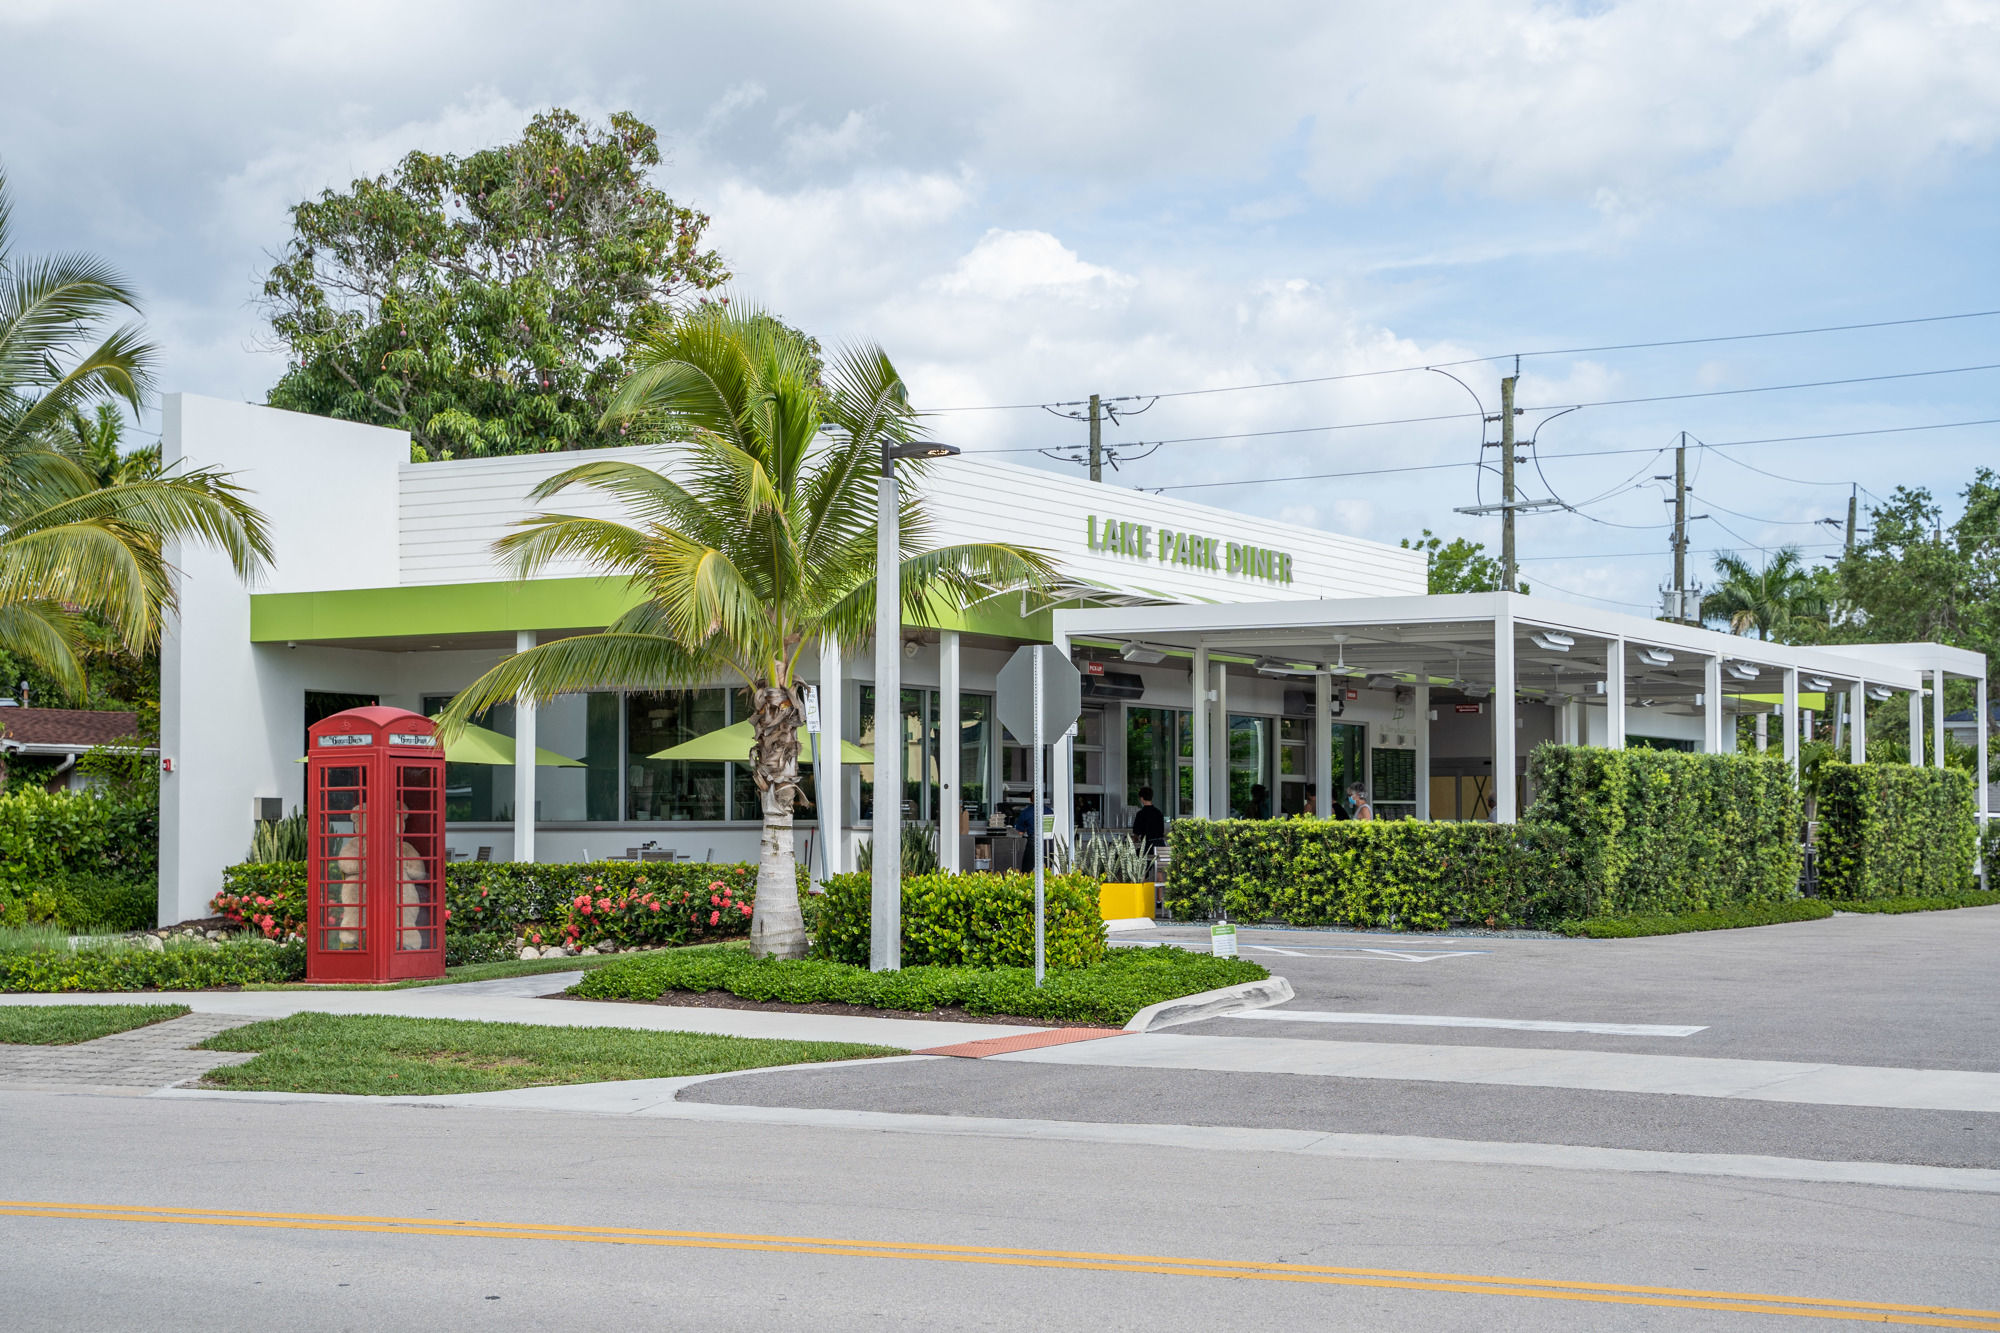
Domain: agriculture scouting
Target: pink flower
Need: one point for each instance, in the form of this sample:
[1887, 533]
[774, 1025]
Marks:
[743, 908]
[654, 906]
[447, 914]
[714, 917]
[714, 885]
[714, 901]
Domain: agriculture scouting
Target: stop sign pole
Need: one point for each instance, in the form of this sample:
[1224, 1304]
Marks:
[1039, 696]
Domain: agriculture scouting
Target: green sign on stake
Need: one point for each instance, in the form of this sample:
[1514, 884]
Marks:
[1222, 936]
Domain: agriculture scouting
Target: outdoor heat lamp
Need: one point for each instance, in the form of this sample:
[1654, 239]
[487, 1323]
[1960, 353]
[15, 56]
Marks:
[1879, 693]
[1553, 641]
[1139, 652]
[1742, 671]
[1656, 656]
[1820, 683]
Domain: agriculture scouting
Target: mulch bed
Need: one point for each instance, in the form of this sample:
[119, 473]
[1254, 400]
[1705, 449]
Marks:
[722, 999]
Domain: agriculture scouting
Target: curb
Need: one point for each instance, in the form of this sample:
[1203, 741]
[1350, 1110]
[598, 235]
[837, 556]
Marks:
[1211, 1004]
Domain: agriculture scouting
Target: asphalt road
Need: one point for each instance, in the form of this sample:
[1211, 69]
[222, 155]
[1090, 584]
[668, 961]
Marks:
[348, 1164]
[687, 1223]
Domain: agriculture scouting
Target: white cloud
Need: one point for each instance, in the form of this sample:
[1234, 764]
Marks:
[1006, 265]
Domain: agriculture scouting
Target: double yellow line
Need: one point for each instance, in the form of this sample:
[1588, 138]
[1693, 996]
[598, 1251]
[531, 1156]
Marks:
[1547, 1289]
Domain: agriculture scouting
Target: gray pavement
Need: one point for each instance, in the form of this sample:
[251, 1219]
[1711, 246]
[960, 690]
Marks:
[347, 1160]
[131, 1063]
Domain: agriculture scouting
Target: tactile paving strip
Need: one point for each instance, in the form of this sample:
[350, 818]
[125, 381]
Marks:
[1026, 1041]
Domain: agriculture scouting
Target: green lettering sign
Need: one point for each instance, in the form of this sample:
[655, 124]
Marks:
[1137, 540]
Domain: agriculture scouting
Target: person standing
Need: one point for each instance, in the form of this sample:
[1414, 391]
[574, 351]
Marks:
[1149, 825]
[1357, 795]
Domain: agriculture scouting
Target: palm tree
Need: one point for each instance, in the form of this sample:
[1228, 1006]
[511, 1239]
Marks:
[1778, 601]
[83, 537]
[762, 544]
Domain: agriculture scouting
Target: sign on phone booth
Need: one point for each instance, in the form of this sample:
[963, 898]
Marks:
[375, 860]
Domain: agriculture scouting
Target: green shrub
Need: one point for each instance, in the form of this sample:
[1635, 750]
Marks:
[1659, 831]
[1403, 874]
[1892, 906]
[1109, 991]
[77, 857]
[1989, 852]
[177, 967]
[691, 912]
[1726, 918]
[486, 897]
[465, 947]
[1895, 830]
[976, 920]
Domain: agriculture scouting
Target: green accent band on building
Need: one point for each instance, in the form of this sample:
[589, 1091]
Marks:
[539, 604]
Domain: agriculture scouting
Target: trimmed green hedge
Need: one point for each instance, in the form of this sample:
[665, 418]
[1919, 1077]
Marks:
[1665, 832]
[84, 859]
[1107, 992]
[184, 967]
[1895, 830]
[1401, 874]
[1727, 918]
[975, 920]
[1893, 906]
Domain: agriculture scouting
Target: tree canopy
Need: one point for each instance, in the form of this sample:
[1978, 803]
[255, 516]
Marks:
[1782, 602]
[1916, 578]
[485, 303]
[1457, 566]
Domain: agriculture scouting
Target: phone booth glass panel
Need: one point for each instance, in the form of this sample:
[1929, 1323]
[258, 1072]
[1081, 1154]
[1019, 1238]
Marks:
[375, 790]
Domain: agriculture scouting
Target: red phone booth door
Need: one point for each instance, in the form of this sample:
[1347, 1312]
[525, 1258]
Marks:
[341, 844]
[418, 947]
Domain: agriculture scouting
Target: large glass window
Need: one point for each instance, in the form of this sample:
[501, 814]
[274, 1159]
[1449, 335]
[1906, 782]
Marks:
[478, 793]
[1159, 753]
[1250, 767]
[674, 789]
[923, 744]
[975, 752]
[583, 727]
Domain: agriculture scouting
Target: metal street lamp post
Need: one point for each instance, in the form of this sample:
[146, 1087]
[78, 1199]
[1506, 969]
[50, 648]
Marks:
[885, 888]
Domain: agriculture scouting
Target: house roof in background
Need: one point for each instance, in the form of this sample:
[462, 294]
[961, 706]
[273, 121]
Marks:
[65, 728]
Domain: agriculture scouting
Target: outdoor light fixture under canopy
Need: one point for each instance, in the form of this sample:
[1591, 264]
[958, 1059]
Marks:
[1742, 670]
[1879, 693]
[1139, 652]
[1553, 641]
[1270, 666]
[1820, 683]
[1656, 656]
[1478, 691]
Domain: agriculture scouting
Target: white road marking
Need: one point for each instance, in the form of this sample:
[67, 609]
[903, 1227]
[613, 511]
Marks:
[1402, 957]
[1446, 1021]
[1289, 953]
[1538, 1067]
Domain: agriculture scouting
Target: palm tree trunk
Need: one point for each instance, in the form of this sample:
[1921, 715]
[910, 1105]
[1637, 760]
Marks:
[776, 926]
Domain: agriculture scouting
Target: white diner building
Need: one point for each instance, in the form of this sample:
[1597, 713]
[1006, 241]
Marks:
[1234, 665]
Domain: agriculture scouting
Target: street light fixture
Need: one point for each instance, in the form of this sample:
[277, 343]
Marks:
[885, 887]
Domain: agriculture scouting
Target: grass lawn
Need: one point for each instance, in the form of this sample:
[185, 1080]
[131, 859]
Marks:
[371, 1055]
[67, 1024]
[470, 972]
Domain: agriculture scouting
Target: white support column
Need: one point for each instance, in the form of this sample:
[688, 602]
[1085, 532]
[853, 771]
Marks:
[1857, 723]
[829, 778]
[1982, 721]
[1322, 763]
[1937, 718]
[1062, 762]
[1198, 725]
[524, 764]
[1917, 724]
[1218, 745]
[1505, 809]
[1711, 705]
[951, 790]
[1788, 719]
[1836, 712]
[1614, 694]
[1423, 734]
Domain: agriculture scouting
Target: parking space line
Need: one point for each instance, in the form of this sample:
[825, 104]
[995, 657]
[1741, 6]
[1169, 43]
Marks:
[1448, 1021]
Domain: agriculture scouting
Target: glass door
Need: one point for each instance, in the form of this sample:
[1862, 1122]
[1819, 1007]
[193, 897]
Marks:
[1250, 767]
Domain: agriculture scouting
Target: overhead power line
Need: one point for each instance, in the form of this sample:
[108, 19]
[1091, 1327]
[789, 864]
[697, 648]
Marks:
[1501, 356]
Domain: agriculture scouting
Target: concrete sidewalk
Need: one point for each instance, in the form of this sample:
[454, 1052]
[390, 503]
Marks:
[513, 1000]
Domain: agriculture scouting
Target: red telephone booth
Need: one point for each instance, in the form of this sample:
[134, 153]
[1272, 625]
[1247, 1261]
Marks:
[375, 870]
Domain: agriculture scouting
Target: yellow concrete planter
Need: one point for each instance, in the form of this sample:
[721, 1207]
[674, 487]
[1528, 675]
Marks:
[1122, 902]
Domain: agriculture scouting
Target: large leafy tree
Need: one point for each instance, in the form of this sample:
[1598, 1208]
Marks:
[755, 542]
[84, 532]
[485, 303]
[1781, 601]
[1458, 565]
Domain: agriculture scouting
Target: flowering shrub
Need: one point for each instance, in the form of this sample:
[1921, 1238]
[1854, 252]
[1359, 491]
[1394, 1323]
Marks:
[268, 897]
[642, 914]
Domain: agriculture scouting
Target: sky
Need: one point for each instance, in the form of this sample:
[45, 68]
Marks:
[1026, 203]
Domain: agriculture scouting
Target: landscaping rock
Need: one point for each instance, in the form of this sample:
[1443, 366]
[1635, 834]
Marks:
[155, 942]
[529, 951]
[587, 952]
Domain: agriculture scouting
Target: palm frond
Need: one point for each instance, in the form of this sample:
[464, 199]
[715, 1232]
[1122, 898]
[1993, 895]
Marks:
[575, 665]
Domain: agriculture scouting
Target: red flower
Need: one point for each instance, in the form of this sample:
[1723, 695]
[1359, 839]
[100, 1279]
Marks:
[714, 901]
[654, 906]
[743, 908]
[447, 914]
[714, 917]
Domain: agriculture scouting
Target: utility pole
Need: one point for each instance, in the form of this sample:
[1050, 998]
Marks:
[1680, 521]
[1507, 562]
[1096, 441]
[1850, 521]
